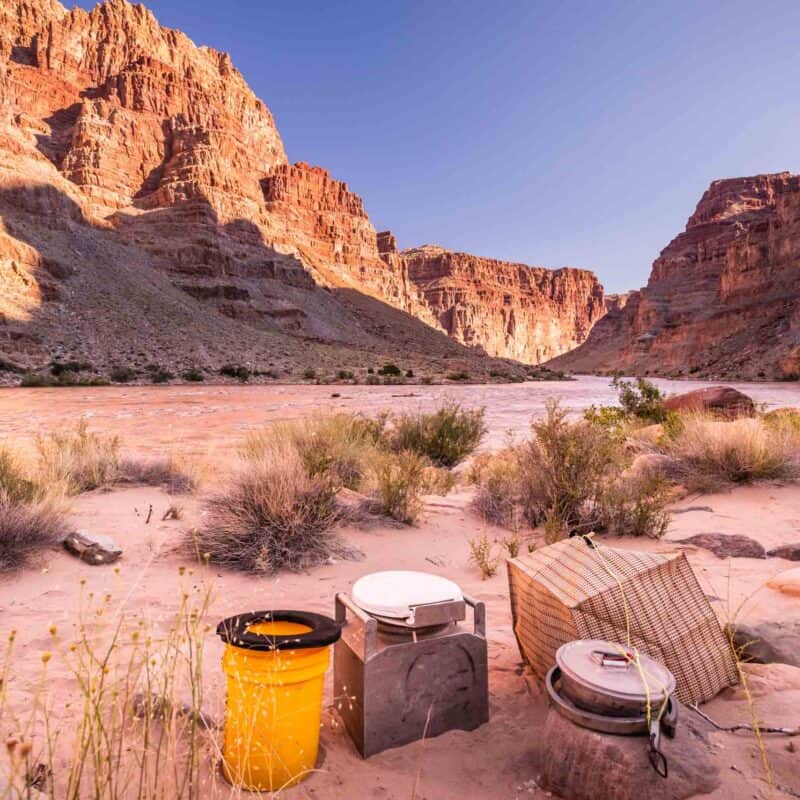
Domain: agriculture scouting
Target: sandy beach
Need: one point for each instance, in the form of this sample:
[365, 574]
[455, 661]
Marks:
[491, 763]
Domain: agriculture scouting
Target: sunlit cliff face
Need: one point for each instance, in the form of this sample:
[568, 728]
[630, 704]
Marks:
[21, 294]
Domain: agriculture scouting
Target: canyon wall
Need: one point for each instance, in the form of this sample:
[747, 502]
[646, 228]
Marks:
[126, 136]
[723, 298]
[530, 314]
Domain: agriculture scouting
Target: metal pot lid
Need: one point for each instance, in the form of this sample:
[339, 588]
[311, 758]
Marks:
[607, 668]
[393, 593]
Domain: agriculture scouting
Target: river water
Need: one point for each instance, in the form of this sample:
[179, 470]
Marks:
[203, 418]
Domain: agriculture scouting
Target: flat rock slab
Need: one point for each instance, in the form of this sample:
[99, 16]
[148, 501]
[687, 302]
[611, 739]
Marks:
[787, 582]
[580, 764]
[93, 548]
[770, 642]
[727, 545]
[791, 552]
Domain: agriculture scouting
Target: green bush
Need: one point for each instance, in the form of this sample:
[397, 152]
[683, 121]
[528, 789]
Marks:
[458, 376]
[391, 370]
[161, 376]
[122, 374]
[193, 375]
[344, 375]
[564, 470]
[446, 436]
[309, 374]
[242, 374]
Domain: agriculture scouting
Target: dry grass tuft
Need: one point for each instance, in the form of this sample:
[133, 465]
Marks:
[400, 480]
[339, 446]
[177, 477]
[26, 529]
[16, 483]
[482, 554]
[496, 478]
[716, 452]
[273, 515]
[79, 461]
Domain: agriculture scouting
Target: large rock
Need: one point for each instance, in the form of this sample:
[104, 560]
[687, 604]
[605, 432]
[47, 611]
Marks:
[93, 548]
[723, 401]
[769, 642]
[727, 545]
[579, 764]
[790, 552]
[722, 297]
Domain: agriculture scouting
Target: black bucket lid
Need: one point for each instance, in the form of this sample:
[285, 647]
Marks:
[234, 631]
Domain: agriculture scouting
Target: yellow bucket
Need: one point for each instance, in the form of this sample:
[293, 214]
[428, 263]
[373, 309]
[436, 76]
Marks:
[275, 663]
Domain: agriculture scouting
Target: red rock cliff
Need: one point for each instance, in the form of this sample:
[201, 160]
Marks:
[527, 313]
[723, 298]
[109, 120]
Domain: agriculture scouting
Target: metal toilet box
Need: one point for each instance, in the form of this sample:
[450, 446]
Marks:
[395, 686]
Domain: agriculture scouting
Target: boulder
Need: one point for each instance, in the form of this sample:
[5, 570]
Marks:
[722, 401]
[647, 464]
[576, 763]
[93, 548]
[769, 642]
[787, 582]
[791, 552]
[727, 545]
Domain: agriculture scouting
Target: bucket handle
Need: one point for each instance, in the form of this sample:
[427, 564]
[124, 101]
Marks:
[369, 624]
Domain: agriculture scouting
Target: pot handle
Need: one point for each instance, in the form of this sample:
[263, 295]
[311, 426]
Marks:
[657, 759]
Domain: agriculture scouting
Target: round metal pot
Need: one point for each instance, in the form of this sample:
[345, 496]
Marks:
[610, 679]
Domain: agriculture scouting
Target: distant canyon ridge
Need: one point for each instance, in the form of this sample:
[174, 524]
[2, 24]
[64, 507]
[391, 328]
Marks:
[149, 215]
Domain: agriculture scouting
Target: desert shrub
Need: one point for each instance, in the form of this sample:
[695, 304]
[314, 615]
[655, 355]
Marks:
[446, 436]
[242, 374]
[497, 493]
[161, 375]
[563, 471]
[26, 529]
[372, 380]
[409, 373]
[273, 515]
[79, 461]
[122, 374]
[177, 477]
[16, 485]
[391, 370]
[309, 374]
[783, 417]
[65, 378]
[641, 401]
[458, 376]
[344, 375]
[60, 367]
[193, 375]
[636, 506]
[716, 452]
[10, 366]
[400, 480]
[482, 554]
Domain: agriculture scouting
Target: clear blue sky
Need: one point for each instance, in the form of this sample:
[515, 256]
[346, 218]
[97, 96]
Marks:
[563, 133]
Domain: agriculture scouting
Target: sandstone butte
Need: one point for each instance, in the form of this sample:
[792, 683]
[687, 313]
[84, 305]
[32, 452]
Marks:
[723, 298]
[149, 214]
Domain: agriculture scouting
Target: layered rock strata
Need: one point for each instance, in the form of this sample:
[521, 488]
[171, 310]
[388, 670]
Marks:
[723, 298]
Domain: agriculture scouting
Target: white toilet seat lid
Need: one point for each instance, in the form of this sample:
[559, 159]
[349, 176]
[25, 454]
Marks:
[392, 593]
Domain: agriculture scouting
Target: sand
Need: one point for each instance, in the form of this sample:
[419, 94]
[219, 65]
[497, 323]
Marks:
[491, 763]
